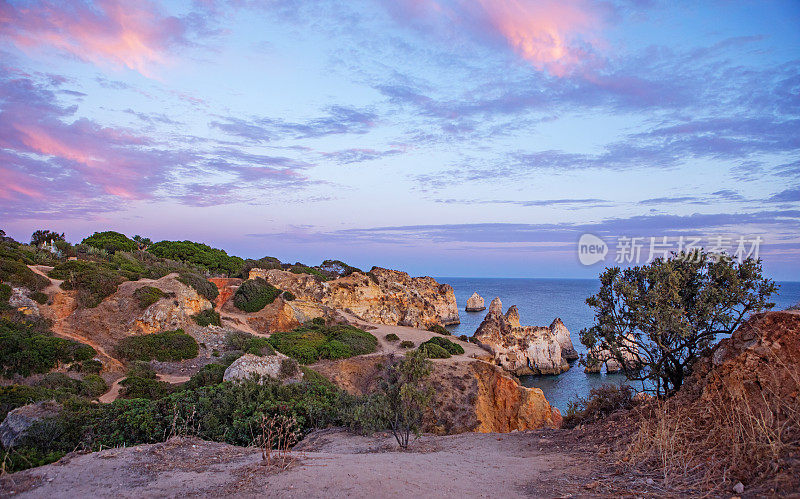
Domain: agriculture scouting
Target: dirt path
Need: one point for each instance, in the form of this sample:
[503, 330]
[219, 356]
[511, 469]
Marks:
[113, 393]
[330, 463]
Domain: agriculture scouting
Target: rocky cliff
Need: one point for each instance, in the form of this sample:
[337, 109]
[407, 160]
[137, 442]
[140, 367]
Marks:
[381, 296]
[524, 349]
[475, 303]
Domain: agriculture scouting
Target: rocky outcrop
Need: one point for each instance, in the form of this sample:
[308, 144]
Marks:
[597, 357]
[521, 349]
[227, 287]
[174, 312]
[276, 366]
[19, 300]
[475, 303]
[16, 424]
[381, 296]
[561, 333]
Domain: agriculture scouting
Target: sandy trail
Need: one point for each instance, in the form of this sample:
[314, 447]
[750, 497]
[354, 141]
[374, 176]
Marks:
[330, 463]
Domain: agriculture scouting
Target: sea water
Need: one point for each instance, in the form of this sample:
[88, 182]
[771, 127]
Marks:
[539, 302]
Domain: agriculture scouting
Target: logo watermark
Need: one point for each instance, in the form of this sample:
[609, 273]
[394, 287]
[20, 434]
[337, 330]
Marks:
[637, 250]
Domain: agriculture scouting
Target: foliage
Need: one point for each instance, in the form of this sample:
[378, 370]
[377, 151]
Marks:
[299, 268]
[434, 351]
[601, 401]
[208, 375]
[17, 273]
[110, 241]
[266, 263]
[93, 281]
[203, 286]
[313, 341]
[38, 297]
[90, 386]
[392, 337]
[464, 337]
[207, 317]
[406, 344]
[333, 269]
[142, 242]
[247, 343]
[288, 296]
[666, 313]
[254, 294]
[26, 349]
[406, 395]
[165, 346]
[91, 366]
[45, 236]
[212, 259]
[439, 329]
[5, 294]
[449, 346]
[136, 387]
[147, 295]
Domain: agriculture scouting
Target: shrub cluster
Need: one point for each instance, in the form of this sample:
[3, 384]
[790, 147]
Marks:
[247, 343]
[208, 317]
[93, 281]
[110, 241]
[14, 272]
[266, 263]
[445, 344]
[165, 346]
[26, 349]
[147, 295]
[299, 268]
[439, 329]
[314, 341]
[203, 286]
[406, 344]
[91, 385]
[601, 401]
[392, 337]
[212, 259]
[255, 294]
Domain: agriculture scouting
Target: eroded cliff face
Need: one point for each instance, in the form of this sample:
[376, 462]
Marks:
[468, 396]
[523, 350]
[381, 296]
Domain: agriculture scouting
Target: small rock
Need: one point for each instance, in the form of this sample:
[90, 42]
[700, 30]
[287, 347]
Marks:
[738, 488]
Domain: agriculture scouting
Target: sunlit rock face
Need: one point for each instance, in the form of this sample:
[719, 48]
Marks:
[380, 296]
[523, 349]
[475, 303]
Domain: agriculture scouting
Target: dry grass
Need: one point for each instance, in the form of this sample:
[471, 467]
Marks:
[731, 434]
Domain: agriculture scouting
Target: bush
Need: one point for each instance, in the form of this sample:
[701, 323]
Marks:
[38, 297]
[464, 337]
[141, 369]
[207, 317]
[165, 346]
[266, 263]
[254, 294]
[208, 375]
[5, 294]
[200, 284]
[601, 401]
[147, 295]
[449, 346]
[392, 337]
[212, 259]
[14, 272]
[311, 342]
[45, 236]
[93, 386]
[93, 281]
[439, 329]
[299, 268]
[134, 387]
[91, 366]
[247, 343]
[25, 350]
[434, 351]
[110, 241]
[288, 296]
[406, 344]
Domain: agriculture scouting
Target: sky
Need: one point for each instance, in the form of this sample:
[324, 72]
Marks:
[440, 137]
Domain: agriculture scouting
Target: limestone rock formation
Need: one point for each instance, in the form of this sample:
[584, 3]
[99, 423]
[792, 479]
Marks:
[22, 303]
[562, 335]
[475, 303]
[382, 296]
[17, 422]
[276, 366]
[173, 313]
[521, 349]
[598, 356]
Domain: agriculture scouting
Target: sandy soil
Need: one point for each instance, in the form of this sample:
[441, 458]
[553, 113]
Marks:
[329, 463]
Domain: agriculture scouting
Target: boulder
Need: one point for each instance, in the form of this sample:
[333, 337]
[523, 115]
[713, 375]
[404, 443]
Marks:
[520, 349]
[19, 420]
[562, 335]
[381, 296]
[475, 303]
[19, 300]
[276, 366]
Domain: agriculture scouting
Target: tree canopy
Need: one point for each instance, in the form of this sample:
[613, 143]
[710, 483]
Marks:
[110, 241]
[213, 259]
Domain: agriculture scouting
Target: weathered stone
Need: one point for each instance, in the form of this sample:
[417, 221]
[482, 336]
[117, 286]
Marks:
[475, 303]
[276, 366]
[562, 336]
[598, 356]
[19, 420]
[512, 316]
[496, 306]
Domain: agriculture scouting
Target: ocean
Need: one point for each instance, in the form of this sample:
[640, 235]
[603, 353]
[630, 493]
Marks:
[539, 302]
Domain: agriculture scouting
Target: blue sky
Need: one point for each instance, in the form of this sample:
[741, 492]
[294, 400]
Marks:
[442, 137]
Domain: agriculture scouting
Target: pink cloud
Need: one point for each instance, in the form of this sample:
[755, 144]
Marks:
[556, 36]
[135, 35]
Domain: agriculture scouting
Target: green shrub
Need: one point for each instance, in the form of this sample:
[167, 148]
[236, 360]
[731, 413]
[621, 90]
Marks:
[165, 346]
[392, 337]
[601, 401]
[333, 269]
[464, 337]
[13, 396]
[110, 241]
[254, 294]
[449, 346]
[24, 349]
[208, 375]
[39, 297]
[91, 366]
[207, 317]
[288, 296]
[266, 263]
[93, 281]
[5, 294]
[247, 343]
[147, 295]
[311, 342]
[141, 369]
[318, 321]
[439, 329]
[299, 268]
[93, 386]
[15, 272]
[200, 284]
[406, 344]
[90, 386]
[212, 259]
[434, 351]
[134, 387]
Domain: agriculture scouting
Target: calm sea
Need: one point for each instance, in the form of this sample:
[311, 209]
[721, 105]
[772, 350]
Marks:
[539, 302]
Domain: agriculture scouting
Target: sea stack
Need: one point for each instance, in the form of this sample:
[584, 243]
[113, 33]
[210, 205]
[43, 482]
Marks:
[475, 303]
[562, 336]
